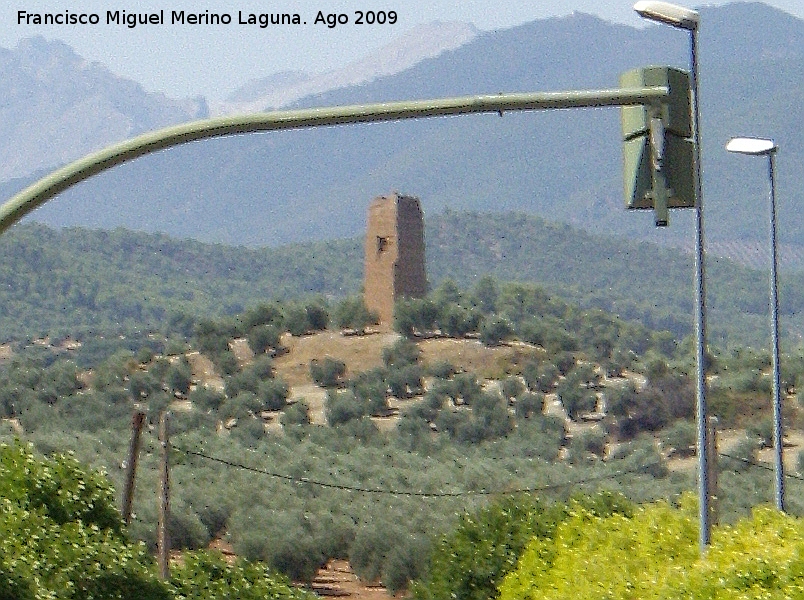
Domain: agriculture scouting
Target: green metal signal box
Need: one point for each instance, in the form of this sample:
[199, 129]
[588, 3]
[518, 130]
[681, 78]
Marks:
[659, 171]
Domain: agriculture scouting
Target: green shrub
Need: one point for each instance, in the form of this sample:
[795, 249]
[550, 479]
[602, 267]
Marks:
[327, 372]
[512, 387]
[541, 436]
[179, 377]
[495, 330]
[586, 446]
[529, 404]
[471, 561]
[206, 575]
[273, 393]
[540, 377]
[60, 530]
[205, 399]
[297, 413]
[351, 313]
[296, 320]
[263, 338]
[654, 554]
[242, 406]
[442, 369]
[342, 407]
[401, 353]
[680, 439]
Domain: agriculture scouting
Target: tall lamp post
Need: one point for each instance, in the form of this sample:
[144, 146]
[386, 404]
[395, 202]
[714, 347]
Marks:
[687, 19]
[763, 147]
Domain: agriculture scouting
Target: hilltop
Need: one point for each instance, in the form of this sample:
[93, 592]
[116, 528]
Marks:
[77, 281]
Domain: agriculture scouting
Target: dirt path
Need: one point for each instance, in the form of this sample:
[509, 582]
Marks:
[337, 579]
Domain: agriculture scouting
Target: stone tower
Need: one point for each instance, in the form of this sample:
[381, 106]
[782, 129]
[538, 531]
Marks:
[394, 254]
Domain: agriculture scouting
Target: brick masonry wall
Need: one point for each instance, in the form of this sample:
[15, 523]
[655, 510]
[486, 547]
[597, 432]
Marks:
[394, 254]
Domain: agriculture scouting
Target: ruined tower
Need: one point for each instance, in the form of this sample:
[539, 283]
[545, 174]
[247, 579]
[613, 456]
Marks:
[394, 254]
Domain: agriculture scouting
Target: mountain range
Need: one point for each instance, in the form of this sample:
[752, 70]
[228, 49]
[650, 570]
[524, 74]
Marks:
[276, 188]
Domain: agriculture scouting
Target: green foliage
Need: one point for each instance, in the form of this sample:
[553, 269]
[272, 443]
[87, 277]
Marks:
[488, 420]
[179, 377]
[60, 535]
[296, 414]
[485, 294]
[242, 406]
[617, 556]
[654, 554]
[457, 321]
[382, 551]
[204, 398]
[207, 576]
[470, 562]
[59, 487]
[495, 331]
[512, 387]
[586, 446]
[406, 381]
[529, 404]
[343, 406]
[327, 372]
[273, 393]
[265, 337]
[540, 377]
[401, 353]
[576, 400]
[762, 431]
[680, 438]
[351, 313]
[296, 320]
[415, 316]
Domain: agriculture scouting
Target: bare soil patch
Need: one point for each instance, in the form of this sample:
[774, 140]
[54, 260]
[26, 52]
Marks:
[472, 355]
[358, 352]
[204, 371]
[336, 579]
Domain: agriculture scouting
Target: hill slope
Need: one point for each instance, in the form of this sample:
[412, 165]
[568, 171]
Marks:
[564, 165]
[80, 280]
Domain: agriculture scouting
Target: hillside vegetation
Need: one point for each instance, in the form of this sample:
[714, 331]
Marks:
[76, 281]
[367, 462]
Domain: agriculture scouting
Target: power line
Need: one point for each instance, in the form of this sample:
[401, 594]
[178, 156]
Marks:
[411, 493]
[760, 465]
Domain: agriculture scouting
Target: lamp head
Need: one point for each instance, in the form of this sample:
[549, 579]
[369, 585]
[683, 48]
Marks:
[751, 146]
[669, 14]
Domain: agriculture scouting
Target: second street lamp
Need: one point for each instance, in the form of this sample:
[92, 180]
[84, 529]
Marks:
[764, 147]
[687, 19]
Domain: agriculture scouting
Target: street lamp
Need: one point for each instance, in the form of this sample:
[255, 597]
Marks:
[763, 147]
[687, 19]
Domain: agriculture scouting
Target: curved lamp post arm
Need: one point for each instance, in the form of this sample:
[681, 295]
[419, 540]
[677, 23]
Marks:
[49, 186]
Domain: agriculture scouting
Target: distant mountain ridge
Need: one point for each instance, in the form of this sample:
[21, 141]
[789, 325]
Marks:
[403, 52]
[563, 165]
[58, 107]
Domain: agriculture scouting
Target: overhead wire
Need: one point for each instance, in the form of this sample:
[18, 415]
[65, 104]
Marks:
[412, 493]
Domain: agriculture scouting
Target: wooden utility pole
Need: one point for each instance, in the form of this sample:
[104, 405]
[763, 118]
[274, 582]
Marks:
[162, 539]
[131, 465]
[712, 465]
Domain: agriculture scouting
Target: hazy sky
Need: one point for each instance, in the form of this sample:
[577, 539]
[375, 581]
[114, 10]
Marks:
[213, 60]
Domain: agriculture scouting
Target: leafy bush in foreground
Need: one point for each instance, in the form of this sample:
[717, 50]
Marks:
[470, 562]
[654, 554]
[207, 576]
[61, 537]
